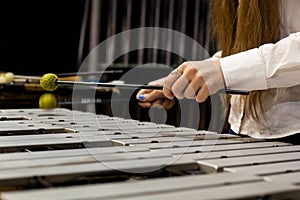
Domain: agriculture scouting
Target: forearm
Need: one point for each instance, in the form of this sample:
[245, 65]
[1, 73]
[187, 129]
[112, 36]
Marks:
[269, 66]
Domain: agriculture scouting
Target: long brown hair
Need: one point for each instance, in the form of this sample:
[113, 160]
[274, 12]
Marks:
[239, 25]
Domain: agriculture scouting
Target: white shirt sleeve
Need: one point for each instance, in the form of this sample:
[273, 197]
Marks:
[217, 55]
[269, 66]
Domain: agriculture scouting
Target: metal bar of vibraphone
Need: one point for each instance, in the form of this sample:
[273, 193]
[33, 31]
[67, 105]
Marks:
[268, 169]
[220, 148]
[288, 177]
[64, 172]
[8, 157]
[183, 187]
[147, 187]
[232, 191]
[251, 160]
[96, 156]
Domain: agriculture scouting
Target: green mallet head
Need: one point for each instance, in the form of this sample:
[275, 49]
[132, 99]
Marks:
[49, 82]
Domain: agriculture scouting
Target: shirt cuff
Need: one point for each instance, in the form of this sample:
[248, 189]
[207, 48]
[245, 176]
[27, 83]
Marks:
[244, 71]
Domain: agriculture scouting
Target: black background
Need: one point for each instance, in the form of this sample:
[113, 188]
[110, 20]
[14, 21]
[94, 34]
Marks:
[38, 37]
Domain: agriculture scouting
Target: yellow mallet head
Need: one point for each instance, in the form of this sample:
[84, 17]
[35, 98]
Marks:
[49, 82]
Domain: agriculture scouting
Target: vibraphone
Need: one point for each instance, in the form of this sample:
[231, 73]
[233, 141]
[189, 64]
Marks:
[63, 154]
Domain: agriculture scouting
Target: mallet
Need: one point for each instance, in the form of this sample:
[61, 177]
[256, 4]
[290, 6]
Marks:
[51, 82]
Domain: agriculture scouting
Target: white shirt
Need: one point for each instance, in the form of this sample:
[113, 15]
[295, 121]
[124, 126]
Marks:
[274, 68]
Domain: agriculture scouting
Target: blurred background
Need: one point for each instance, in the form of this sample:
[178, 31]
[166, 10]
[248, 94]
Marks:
[56, 35]
[39, 37]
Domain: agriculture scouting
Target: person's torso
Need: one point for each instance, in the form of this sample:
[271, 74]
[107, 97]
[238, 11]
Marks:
[282, 106]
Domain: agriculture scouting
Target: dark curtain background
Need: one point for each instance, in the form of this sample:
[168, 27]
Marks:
[39, 36]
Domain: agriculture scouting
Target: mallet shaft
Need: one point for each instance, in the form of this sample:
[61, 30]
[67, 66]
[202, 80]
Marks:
[133, 86]
[94, 84]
